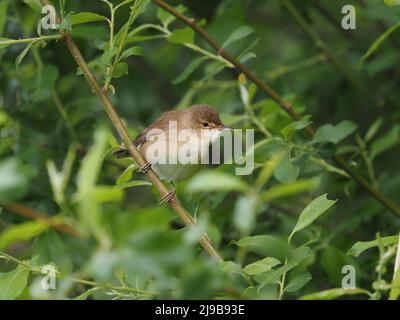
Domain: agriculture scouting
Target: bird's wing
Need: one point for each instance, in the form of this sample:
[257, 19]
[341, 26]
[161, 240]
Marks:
[159, 123]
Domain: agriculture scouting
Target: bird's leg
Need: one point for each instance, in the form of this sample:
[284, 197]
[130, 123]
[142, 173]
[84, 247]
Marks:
[122, 152]
[168, 196]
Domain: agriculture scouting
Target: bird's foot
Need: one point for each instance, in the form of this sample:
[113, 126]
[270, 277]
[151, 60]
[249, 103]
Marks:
[144, 168]
[122, 152]
[168, 196]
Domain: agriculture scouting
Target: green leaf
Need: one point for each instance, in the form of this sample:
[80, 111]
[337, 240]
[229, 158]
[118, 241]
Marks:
[333, 294]
[395, 290]
[221, 181]
[299, 282]
[334, 134]
[266, 245]
[391, 3]
[34, 5]
[107, 194]
[45, 81]
[182, 36]
[287, 190]
[66, 23]
[189, 70]
[286, 172]
[85, 17]
[126, 175]
[387, 141]
[247, 56]
[87, 294]
[288, 131]
[107, 57]
[378, 42]
[258, 267]
[13, 283]
[2, 41]
[89, 210]
[166, 18]
[3, 15]
[273, 276]
[373, 129]
[136, 183]
[22, 55]
[121, 69]
[12, 180]
[310, 213]
[59, 179]
[360, 246]
[230, 267]
[132, 51]
[245, 212]
[91, 163]
[238, 34]
[22, 232]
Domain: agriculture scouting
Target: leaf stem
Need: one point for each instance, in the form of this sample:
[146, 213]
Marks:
[8, 42]
[38, 270]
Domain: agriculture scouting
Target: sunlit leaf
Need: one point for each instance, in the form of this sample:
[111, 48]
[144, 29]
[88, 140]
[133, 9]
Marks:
[313, 210]
[136, 183]
[378, 42]
[273, 276]
[260, 266]
[3, 15]
[85, 17]
[22, 55]
[182, 36]
[13, 283]
[126, 175]
[121, 69]
[166, 18]
[221, 181]
[334, 134]
[333, 294]
[287, 190]
[360, 246]
[287, 171]
[21, 232]
[245, 212]
[238, 34]
[299, 282]
[132, 51]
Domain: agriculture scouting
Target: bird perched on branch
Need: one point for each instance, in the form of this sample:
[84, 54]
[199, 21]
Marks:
[177, 143]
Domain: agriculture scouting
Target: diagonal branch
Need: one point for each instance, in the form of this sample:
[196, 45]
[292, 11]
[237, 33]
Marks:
[36, 215]
[389, 204]
[124, 135]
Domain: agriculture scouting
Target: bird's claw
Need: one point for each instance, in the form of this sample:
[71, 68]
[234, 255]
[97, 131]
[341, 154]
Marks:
[144, 168]
[168, 196]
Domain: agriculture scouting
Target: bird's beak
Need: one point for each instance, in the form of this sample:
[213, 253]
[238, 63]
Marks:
[225, 128]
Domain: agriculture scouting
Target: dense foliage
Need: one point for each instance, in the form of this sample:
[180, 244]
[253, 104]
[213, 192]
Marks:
[294, 228]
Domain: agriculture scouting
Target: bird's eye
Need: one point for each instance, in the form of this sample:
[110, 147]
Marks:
[205, 124]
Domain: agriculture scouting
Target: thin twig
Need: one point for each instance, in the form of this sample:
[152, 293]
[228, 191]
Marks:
[124, 135]
[6, 42]
[38, 270]
[389, 204]
[321, 45]
[36, 215]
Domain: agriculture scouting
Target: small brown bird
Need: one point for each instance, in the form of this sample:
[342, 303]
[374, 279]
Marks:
[193, 130]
